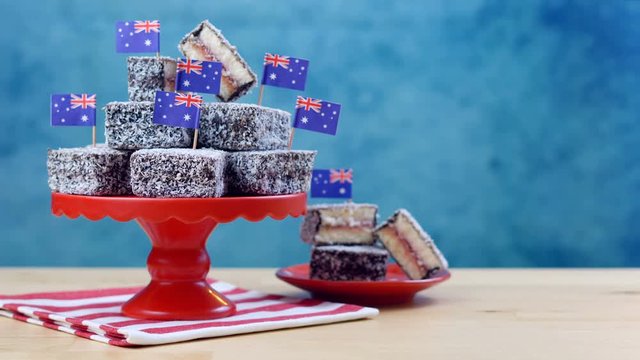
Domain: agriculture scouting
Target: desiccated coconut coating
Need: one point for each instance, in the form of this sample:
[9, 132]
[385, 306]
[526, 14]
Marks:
[344, 263]
[243, 127]
[206, 42]
[411, 246]
[129, 125]
[178, 173]
[148, 74]
[275, 172]
[89, 170]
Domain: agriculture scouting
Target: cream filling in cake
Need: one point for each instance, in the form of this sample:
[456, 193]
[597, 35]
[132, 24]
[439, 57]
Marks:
[344, 235]
[412, 248]
[209, 47]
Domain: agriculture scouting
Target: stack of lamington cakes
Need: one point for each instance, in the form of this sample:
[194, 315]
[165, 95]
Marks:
[242, 148]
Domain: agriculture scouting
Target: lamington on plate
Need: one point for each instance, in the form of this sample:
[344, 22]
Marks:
[348, 263]
[275, 172]
[130, 126]
[149, 74]
[178, 173]
[346, 224]
[92, 170]
[411, 247]
[243, 127]
[206, 42]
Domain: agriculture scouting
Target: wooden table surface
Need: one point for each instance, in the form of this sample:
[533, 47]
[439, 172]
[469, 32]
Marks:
[478, 314]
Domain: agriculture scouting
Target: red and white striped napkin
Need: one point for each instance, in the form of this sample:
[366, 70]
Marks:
[95, 315]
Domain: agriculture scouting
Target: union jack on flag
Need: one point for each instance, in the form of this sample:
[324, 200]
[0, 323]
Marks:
[73, 109]
[177, 109]
[138, 36]
[285, 71]
[198, 76]
[317, 115]
[331, 183]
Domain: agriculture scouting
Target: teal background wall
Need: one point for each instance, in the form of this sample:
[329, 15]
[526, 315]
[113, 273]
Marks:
[509, 128]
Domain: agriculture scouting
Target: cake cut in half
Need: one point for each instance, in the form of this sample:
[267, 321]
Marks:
[346, 224]
[147, 74]
[348, 263]
[206, 43]
[411, 247]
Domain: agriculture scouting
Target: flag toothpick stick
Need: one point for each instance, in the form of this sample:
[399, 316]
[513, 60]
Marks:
[293, 131]
[260, 95]
[195, 138]
[93, 135]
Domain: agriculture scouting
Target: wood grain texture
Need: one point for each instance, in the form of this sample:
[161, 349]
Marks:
[478, 314]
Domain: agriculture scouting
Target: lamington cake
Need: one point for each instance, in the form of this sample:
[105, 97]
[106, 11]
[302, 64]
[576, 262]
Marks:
[269, 172]
[206, 42]
[243, 127]
[150, 74]
[411, 247]
[129, 126]
[178, 173]
[340, 263]
[92, 170]
[346, 224]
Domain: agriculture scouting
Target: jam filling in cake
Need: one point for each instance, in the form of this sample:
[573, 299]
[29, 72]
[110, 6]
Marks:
[206, 43]
[411, 247]
[346, 224]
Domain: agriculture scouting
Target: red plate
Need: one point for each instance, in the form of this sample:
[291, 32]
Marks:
[396, 288]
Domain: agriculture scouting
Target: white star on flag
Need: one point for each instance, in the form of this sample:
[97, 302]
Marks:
[272, 76]
[147, 42]
[84, 118]
[342, 190]
[187, 117]
[304, 120]
[186, 83]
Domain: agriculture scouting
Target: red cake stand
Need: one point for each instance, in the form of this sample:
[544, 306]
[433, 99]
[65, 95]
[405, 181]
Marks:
[178, 229]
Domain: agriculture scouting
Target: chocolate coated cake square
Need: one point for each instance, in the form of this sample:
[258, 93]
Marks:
[243, 127]
[89, 170]
[178, 173]
[129, 126]
[340, 263]
[269, 172]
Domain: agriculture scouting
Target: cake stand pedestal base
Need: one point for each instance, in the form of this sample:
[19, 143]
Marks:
[178, 229]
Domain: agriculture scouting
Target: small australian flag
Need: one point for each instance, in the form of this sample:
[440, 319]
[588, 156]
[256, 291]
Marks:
[316, 115]
[198, 76]
[176, 109]
[73, 110]
[285, 71]
[331, 183]
[138, 36]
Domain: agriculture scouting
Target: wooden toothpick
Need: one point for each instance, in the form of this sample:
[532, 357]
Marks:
[93, 135]
[195, 138]
[293, 131]
[260, 94]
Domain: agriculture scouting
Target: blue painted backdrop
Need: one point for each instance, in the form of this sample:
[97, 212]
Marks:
[509, 128]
